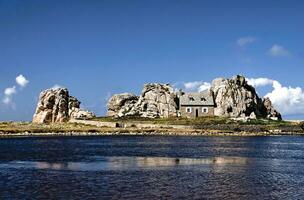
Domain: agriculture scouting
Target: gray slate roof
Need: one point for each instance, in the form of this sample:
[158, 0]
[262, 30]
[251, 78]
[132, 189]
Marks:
[197, 99]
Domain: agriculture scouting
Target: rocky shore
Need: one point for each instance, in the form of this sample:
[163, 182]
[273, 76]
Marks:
[150, 132]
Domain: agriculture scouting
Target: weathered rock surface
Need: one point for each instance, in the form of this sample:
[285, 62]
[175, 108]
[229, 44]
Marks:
[75, 112]
[270, 111]
[156, 100]
[120, 105]
[52, 106]
[233, 98]
[55, 105]
[237, 99]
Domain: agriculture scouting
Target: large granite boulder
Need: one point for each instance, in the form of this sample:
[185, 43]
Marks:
[156, 100]
[52, 106]
[237, 99]
[55, 105]
[120, 105]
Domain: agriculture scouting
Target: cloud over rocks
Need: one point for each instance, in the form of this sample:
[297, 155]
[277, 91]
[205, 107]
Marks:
[288, 100]
[259, 82]
[278, 51]
[196, 86]
[56, 86]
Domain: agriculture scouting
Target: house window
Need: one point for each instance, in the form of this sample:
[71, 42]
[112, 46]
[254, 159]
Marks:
[204, 110]
[203, 99]
[191, 99]
[188, 110]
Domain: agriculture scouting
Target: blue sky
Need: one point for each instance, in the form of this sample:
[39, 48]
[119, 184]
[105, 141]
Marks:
[98, 48]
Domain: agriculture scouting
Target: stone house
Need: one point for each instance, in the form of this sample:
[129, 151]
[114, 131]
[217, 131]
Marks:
[196, 104]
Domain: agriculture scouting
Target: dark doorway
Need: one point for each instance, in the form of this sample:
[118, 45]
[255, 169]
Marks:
[196, 112]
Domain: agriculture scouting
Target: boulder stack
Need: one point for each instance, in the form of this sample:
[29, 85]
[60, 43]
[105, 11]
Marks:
[237, 99]
[233, 98]
[156, 100]
[75, 112]
[55, 105]
[121, 105]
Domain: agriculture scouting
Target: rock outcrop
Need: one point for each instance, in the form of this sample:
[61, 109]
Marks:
[270, 111]
[55, 105]
[156, 100]
[52, 106]
[120, 105]
[75, 112]
[233, 98]
[237, 99]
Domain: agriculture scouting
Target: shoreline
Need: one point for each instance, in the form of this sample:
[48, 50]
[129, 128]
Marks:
[150, 128]
[140, 132]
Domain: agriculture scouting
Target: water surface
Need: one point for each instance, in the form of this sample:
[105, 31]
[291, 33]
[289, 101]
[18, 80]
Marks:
[152, 167]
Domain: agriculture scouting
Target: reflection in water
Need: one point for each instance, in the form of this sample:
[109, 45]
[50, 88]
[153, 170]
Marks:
[117, 163]
[163, 161]
[152, 168]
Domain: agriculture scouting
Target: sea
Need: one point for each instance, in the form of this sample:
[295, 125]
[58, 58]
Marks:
[152, 167]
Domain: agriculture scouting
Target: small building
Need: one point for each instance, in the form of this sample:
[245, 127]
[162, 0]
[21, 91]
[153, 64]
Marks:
[196, 104]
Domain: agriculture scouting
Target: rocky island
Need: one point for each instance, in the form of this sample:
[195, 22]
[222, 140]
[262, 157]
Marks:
[228, 107]
[232, 98]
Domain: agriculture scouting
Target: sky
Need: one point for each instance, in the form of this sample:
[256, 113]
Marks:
[99, 48]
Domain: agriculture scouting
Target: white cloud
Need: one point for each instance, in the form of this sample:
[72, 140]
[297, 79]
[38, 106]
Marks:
[197, 86]
[56, 86]
[8, 93]
[245, 40]
[7, 100]
[21, 80]
[192, 85]
[277, 50]
[204, 86]
[288, 100]
[259, 82]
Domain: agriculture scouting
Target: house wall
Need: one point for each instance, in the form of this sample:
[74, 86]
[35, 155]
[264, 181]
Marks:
[184, 113]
